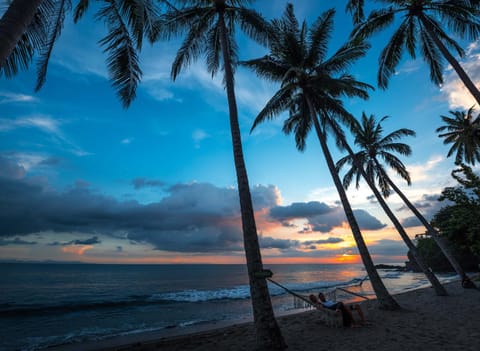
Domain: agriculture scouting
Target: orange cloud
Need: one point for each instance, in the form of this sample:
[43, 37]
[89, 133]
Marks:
[77, 250]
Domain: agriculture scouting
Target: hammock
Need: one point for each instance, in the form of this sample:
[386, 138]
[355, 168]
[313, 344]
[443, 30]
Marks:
[330, 317]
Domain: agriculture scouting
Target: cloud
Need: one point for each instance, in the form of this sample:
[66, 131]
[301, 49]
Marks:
[11, 169]
[322, 217]
[330, 240]
[91, 241]
[139, 183]
[299, 210]
[388, 248]
[16, 241]
[198, 136]
[127, 141]
[428, 205]
[456, 92]
[45, 124]
[196, 217]
[7, 98]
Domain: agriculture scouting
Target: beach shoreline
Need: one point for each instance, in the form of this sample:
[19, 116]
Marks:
[425, 321]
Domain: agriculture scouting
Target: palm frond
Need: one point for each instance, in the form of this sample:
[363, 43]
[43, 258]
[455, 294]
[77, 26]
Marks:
[280, 102]
[391, 55]
[80, 10]
[376, 22]
[122, 60]
[254, 25]
[433, 58]
[319, 34]
[31, 41]
[192, 46]
[55, 21]
[355, 7]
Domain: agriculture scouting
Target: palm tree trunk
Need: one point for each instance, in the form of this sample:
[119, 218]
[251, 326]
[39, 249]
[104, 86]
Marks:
[439, 289]
[14, 24]
[268, 334]
[433, 233]
[385, 300]
[453, 62]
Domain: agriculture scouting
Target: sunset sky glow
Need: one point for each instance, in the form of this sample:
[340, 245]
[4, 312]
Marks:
[82, 179]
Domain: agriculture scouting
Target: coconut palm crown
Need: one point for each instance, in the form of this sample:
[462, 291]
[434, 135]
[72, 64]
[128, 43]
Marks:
[462, 130]
[374, 146]
[422, 28]
[128, 23]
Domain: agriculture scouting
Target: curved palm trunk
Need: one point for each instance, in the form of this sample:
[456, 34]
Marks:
[455, 64]
[439, 289]
[433, 233]
[385, 300]
[14, 24]
[268, 333]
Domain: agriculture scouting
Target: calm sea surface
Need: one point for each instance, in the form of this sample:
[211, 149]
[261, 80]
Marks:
[52, 304]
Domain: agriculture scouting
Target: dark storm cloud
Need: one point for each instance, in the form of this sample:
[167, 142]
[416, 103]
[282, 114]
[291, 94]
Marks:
[10, 169]
[16, 241]
[194, 217]
[91, 241]
[139, 183]
[329, 240]
[299, 210]
[272, 243]
[321, 217]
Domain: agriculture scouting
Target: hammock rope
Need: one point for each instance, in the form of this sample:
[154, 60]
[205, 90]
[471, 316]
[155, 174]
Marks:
[300, 301]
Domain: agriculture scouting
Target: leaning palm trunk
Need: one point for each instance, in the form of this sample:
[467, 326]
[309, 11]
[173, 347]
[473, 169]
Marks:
[439, 289]
[268, 333]
[452, 61]
[433, 233]
[385, 300]
[14, 24]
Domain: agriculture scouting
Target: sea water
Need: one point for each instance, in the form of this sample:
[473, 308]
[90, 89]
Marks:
[42, 305]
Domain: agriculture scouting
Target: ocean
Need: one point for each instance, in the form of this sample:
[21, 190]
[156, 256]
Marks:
[43, 305]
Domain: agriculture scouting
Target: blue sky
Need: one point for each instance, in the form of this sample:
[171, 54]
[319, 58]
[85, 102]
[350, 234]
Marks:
[85, 180]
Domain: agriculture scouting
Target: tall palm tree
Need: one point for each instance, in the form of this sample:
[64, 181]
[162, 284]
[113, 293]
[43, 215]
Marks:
[422, 26]
[210, 29]
[463, 132]
[369, 137]
[373, 145]
[310, 87]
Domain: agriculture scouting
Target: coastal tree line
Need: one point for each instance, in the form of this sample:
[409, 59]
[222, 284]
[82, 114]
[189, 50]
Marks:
[311, 89]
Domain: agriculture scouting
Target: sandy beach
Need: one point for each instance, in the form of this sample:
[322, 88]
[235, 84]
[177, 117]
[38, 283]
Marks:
[426, 321]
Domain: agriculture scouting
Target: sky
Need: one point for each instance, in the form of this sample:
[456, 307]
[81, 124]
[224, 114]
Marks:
[84, 180]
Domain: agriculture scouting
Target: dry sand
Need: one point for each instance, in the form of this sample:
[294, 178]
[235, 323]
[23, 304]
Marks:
[426, 322]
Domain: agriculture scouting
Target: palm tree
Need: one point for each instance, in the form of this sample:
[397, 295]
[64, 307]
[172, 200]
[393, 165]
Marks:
[421, 26]
[16, 48]
[209, 27]
[128, 23]
[310, 87]
[463, 131]
[369, 137]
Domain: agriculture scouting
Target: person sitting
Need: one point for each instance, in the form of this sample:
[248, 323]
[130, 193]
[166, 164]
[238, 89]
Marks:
[346, 311]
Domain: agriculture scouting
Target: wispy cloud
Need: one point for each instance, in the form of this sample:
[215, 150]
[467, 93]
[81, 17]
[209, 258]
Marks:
[198, 136]
[458, 96]
[45, 124]
[7, 97]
